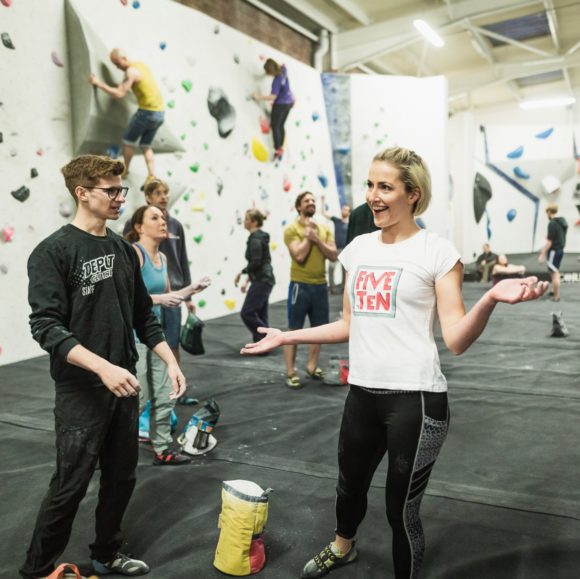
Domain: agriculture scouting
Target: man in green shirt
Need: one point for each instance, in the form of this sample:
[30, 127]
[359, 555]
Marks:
[310, 244]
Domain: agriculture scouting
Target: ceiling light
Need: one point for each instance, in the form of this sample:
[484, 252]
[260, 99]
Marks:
[428, 33]
[548, 103]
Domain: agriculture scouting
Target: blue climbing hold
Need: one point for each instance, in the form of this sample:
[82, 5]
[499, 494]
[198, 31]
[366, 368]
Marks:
[519, 172]
[511, 215]
[516, 153]
[544, 134]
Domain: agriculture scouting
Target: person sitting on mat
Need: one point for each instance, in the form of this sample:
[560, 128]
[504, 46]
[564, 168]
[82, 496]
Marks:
[148, 230]
[485, 262]
[399, 280]
[503, 269]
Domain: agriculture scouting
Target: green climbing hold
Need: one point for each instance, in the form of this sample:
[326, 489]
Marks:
[205, 146]
[198, 239]
[186, 84]
[183, 137]
[194, 123]
[171, 104]
[194, 168]
[201, 303]
[186, 197]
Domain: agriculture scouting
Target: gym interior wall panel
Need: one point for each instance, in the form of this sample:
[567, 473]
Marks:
[407, 112]
[214, 179]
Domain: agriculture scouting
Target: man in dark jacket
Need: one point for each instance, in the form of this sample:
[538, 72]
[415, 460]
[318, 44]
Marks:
[485, 262]
[87, 299]
[553, 250]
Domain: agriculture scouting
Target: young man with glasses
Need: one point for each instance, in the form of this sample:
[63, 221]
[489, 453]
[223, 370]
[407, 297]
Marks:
[150, 115]
[87, 298]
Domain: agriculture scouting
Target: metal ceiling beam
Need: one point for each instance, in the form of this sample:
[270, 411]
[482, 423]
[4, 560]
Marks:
[353, 10]
[283, 19]
[375, 40]
[509, 71]
[513, 42]
[552, 23]
[308, 10]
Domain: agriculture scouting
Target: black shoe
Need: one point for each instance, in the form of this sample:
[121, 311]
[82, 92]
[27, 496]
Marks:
[187, 400]
[170, 458]
[326, 560]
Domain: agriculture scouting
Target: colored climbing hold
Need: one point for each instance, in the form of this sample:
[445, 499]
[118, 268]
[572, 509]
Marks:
[194, 168]
[186, 197]
[40, 152]
[198, 238]
[201, 303]
[519, 172]
[223, 292]
[230, 304]
[297, 123]
[21, 194]
[65, 208]
[544, 134]
[183, 137]
[187, 85]
[511, 215]
[221, 110]
[6, 3]
[216, 29]
[208, 217]
[219, 185]
[420, 223]
[56, 60]
[205, 146]
[259, 150]
[3, 268]
[286, 184]
[136, 4]
[33, 173]
[264, 125]
[323, 180]
[171, 104]
[236, 59]
[124, 2]
[163, 45]
[315, 116]
[7, 233]
[516, 153]
[7, 41]
[273, 246]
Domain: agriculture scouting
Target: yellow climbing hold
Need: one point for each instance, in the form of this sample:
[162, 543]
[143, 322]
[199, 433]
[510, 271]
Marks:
[273, 246]
[259, 150]
[230, 304]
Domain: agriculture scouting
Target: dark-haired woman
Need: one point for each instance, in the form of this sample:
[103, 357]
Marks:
[148, 230]
[282, 101]
[260, 275]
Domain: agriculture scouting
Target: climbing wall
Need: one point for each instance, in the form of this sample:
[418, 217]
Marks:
[215, 149]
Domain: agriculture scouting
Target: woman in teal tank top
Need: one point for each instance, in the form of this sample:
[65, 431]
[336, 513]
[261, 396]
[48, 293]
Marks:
[148, 230]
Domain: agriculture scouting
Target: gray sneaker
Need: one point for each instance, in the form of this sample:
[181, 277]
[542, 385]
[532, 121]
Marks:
[326, 561]
[121, 564]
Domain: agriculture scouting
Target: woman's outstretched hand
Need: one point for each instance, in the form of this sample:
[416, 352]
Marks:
[271, 340]
[513, 291]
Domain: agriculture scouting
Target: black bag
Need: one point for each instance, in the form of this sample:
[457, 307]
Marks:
[190, 338]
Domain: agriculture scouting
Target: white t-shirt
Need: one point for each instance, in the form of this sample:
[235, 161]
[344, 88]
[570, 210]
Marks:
[392, 298]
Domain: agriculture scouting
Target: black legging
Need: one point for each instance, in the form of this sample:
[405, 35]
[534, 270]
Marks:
[277, 120]
[411, 427]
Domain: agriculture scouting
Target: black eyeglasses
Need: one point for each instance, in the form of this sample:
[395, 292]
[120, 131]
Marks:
[112, 192]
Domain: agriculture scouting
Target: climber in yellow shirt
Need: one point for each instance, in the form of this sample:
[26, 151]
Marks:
[151, 112]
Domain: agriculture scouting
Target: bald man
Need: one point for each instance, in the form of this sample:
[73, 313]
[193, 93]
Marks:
[150, 115]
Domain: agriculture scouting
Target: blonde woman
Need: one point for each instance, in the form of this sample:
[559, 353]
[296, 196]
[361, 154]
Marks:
[399, 279]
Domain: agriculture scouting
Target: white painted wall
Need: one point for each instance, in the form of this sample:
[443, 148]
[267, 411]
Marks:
[508, 128]
[408, 112]
[35, 115]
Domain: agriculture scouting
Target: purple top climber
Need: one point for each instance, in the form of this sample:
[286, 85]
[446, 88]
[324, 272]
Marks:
[281, 88]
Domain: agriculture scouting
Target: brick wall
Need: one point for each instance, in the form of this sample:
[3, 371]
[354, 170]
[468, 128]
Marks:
[251, 21]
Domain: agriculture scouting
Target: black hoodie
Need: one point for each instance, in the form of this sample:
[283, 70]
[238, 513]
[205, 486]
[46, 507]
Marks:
[259, 266]
[557, 229]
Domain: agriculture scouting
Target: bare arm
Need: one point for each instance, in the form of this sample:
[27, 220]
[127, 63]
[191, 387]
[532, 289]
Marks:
[544, 252]
[264, 97]
[459, 329]
[120, 91]
[328, 248]
[333, 333]
[299, 249]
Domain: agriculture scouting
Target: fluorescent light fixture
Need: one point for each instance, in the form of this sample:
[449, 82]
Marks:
[428, 33]
[548, 103]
